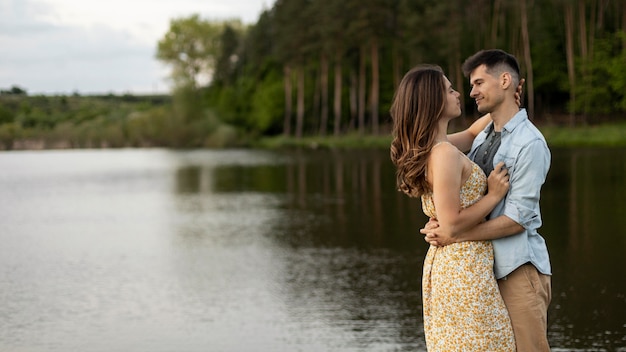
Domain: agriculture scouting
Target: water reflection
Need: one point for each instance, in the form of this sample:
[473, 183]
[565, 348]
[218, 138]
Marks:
[263, 251]
[343, 205]
[302, 254]
[585, 217]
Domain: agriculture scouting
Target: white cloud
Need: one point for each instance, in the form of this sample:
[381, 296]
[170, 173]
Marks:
[63, 46]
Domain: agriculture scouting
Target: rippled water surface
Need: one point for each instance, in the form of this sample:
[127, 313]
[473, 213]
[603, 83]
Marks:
[243, 250]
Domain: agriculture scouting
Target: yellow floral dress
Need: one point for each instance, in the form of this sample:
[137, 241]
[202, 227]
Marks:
[463, 309]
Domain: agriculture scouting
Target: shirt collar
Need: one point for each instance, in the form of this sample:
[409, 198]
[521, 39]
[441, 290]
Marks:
[518, 118]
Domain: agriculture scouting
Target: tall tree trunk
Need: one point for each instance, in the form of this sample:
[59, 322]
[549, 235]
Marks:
[528, 59]
[623, 26]
[315, 104]
[591, 44]
[592, 28]
[582, 29]
[396, 65]
[354, 100]
[493, 40]
[337, 98]
[300, 102]
[324, 97]
[602, 4]
[362, 87]
[288, 101]
[584, 52]
[569, 50]
[375, 88]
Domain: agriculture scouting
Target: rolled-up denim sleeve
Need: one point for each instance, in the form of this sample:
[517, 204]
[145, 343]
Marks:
[527, 175]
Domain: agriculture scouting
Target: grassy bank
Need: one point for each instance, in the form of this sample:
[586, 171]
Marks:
[605, 135]
[350, 141]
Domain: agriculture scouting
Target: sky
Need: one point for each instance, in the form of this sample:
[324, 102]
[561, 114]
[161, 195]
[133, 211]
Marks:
[97, 47]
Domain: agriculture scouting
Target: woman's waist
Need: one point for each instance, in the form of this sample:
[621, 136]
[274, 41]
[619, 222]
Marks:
[467, 246]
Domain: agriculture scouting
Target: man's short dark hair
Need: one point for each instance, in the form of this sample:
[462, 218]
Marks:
[492, 59]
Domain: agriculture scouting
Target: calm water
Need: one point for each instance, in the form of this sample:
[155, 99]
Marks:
[156, 250]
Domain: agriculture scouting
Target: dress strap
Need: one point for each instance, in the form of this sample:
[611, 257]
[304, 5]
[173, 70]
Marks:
[438, 143]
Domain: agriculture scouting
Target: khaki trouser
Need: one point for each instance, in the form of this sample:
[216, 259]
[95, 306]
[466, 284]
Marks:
[527, 294]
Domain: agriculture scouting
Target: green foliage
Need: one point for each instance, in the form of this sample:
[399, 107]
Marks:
[602, 87]
[548, 54]
[617, 72]
[6, 115]
[257, 51]
[192, 47]
[8, 133]
[267, 106]
[228, 56]
[15, 90]
[89, 121]
[225, 102]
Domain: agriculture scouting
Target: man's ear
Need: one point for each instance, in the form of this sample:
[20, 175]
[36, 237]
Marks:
[506, 80]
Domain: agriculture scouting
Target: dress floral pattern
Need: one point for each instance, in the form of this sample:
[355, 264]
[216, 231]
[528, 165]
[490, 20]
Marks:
[463, 308]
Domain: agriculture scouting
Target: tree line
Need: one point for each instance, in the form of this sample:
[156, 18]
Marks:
[330, 67]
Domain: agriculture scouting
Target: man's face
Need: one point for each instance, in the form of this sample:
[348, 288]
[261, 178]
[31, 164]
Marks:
[486, 90]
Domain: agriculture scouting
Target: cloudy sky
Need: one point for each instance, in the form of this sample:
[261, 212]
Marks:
[96, 46]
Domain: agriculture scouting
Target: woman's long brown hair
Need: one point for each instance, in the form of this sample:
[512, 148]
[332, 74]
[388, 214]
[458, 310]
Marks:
[418, 103]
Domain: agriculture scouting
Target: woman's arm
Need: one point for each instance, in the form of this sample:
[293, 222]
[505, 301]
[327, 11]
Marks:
[446, 167]
[463, 140]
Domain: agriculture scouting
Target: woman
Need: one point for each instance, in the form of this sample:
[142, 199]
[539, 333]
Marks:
[463, 309]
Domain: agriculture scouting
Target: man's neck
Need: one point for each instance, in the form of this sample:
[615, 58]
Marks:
[502, 115]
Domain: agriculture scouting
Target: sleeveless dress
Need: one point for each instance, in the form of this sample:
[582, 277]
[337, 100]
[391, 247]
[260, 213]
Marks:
[463, 308]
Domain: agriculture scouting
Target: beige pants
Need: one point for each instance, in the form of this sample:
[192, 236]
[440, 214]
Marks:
[527, 294]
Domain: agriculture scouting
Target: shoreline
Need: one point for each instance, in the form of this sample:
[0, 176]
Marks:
[607, 135]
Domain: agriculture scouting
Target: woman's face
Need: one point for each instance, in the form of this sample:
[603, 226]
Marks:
[452, 106]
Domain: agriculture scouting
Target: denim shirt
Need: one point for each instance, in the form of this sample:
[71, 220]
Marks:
[527, 158]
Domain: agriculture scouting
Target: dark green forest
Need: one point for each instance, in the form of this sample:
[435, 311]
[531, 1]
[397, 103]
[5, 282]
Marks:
[329, 68]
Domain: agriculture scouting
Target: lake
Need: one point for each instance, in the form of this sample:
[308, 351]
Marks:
[250, 250]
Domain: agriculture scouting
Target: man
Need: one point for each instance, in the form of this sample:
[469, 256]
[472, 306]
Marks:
[522, 264]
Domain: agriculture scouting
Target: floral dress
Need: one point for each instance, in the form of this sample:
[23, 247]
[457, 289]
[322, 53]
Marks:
[463, 309]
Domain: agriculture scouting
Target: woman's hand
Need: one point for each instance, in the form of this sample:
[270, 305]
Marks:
[518, 92]
[498, 181]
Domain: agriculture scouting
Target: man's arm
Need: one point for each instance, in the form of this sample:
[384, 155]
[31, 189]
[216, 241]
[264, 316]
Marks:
[499, 227]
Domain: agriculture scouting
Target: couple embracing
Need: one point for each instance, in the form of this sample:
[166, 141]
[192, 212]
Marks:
[486, 277]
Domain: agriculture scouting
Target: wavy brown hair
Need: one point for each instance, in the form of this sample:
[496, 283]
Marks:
[417, 105]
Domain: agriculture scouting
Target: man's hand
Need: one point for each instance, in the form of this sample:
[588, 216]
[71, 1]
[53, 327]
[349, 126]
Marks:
[435, 235]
